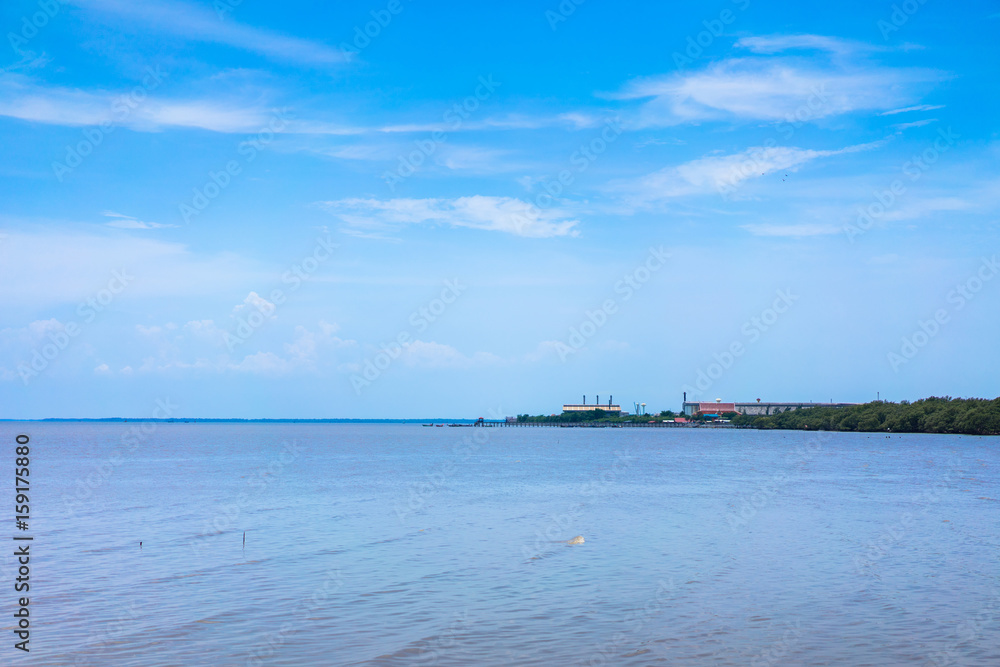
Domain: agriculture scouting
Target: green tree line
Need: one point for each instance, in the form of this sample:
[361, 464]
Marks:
[970, 416]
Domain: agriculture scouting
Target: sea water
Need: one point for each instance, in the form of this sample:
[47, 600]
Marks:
[375, 544]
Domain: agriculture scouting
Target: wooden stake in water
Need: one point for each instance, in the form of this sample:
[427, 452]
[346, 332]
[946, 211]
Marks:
[244, 539]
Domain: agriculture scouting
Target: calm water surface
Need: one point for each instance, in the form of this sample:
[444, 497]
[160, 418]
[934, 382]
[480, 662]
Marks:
[398, 544]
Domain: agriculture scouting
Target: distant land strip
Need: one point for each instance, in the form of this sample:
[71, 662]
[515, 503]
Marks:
[945, 415]
[236, 420]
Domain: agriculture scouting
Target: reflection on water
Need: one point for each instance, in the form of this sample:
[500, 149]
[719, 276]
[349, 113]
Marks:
[393, 545]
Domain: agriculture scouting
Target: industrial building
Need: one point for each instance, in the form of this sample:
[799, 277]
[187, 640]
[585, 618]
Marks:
[716, 408]
[585, 407]
[755, 408]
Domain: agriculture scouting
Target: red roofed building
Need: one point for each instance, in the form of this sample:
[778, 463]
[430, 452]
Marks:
[714, 408]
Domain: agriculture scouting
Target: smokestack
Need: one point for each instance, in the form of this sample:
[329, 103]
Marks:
[685, 397]
[610, 397]
[598, 401]
[584, 399]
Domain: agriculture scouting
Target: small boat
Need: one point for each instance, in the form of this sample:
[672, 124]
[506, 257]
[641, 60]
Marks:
[427, 424]
[439, 425]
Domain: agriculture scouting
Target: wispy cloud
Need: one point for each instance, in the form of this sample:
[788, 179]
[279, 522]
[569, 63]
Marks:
[477, 159]
[918, 107]
[421, 354]
[568, 121]
[916, 123]
[721, 173]
[256, 301]
[197, 348]
[795, 231]
[777, 87]
[926, 206]
[194, 23]
[23, 98]
[768, 44]
[128, 222]
[501, 214]
[230, 110]
[54, 266]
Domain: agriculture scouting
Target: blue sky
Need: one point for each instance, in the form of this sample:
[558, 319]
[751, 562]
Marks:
[394, 209]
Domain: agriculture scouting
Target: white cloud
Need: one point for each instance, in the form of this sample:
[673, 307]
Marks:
[768, 44]
[195, 23]
[103, 369]
[205, 330]
[466, 158]
[795, 231]
[233, 116]
[916, 123]
[924, 206]
[476, 159]
[308, 352]
[262, 363]
[24, 99]
[721, 174]
[230, 109]
[503, 214]
[582, 121]
[776, 88]
[122, 221]
[255, 300]
[51, 265]
[918, 107]
[422, 354]
[569, 121]
[304, 345]
[34, 335]
[367, 152]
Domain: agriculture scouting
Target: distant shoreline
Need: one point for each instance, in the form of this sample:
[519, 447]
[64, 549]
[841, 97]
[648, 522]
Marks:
[205, 420]
[944, 415]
